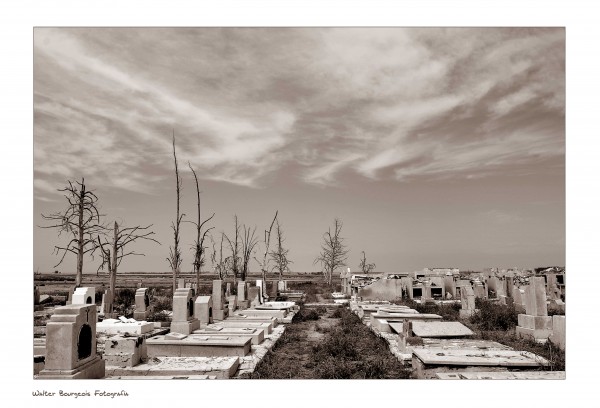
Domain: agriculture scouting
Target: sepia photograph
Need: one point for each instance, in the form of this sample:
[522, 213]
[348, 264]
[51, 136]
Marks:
[299, 203]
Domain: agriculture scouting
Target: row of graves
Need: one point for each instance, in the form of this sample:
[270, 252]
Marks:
[447, 350]
[217, 335]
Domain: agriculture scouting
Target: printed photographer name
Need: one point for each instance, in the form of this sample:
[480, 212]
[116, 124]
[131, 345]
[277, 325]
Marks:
[97, 393]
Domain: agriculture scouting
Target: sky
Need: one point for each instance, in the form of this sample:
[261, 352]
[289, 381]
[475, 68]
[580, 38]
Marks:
[435, 147]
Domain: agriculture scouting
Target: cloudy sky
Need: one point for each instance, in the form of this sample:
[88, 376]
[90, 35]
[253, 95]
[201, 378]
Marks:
[436, 147]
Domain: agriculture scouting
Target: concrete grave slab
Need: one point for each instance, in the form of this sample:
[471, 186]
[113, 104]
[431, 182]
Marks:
[440, 329]
[115, 326]
[199, 346]
[257, 334]
[164, 367]
[503, 358]
[503, 375]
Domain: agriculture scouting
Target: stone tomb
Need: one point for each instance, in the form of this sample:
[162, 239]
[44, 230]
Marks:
[71, 344]
[467, 299]
[123, 351]
[558, 335]
[260, 285]
[218, 301]
[535, 323]
[479, 289]
[440, 329]
[142, 302]
[231, 304]
[257, 334]
[106, 307]
[203, 310]
[242, 295]
[123, 325]
[183, 320]
[84, 296]
[254, 296]
[198, 346]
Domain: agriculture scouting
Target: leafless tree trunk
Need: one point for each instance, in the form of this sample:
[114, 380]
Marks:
[280, 254]
[265, 260]
[174, 258]
[113, 252]
[364, 266]
[200, 236]
[235, 251]
[81, 220]
[249, 241]
[333, 251]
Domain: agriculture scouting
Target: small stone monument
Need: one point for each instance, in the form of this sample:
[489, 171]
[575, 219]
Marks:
[254, 296]
[261, 295]
[180, 283]
[71, 344]
[106, 308]
[36, 295]
[242, 296]
[84, 296]
[558, 335]
[184, 321]
[426, 294]
[218, 300]
[479, 289]
[232, 304]
[228, 289]
[121, 351]
[467, 300]
[203, 310]
[142, 302]
[449, 286]
[535, 323]
[282, 286]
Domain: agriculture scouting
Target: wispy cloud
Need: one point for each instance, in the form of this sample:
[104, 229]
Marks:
[401, 103]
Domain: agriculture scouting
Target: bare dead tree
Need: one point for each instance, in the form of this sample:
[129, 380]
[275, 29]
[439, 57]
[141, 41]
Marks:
[114, 251]
[235, 248]
[80, 220]
[200, 236]
[265, 260]
[174, 258]
[364, 266]
[218, 260]
[249, 241]
[280, 255]
[333, 251]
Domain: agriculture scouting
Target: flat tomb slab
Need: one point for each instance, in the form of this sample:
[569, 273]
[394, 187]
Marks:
[199, 346]
[503, 375]
[265, 319]
[114, 326]
[166, 367]
[257, 335]
[440, 329]
[267, 327]
[279, 314]
[469, 357]
[472, 344]
[391, 317]
[165, 377]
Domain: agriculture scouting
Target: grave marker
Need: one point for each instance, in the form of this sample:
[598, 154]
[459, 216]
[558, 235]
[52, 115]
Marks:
[183, 320]
[142, 302]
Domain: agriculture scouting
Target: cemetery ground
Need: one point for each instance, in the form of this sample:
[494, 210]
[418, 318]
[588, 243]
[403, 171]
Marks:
[325, 340]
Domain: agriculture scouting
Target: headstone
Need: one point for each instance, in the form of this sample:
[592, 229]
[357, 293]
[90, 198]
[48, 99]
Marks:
[479, 289]
[426, 295]
[407, 286]
[535, 323]
[273, 293]
[261, 293]
[510, 286]
[253, 296]
[492, 286]
[71, 344]
[232, 304]
[142, 302]
[228, 289]
[106, 308]
[180, 283]
[242, 291]
[467, 299]
[553, 291]
[36, 295]
[84, 296]
[183, 320]
[218, 299]
[204, 310]
[282, 286]
[558, 336]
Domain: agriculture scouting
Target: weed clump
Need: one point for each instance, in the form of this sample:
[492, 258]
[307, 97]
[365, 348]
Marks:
[493, 316]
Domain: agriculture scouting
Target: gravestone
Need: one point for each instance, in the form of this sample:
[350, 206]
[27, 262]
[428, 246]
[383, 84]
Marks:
[510, 286]
[180, 283]
[467, 300]
[71, 344]
[282, 286]
[36, 295]
[558, 335]
[228, 289]
[142, 302]
[552, 287]
[106, 308]
[218, 300]
[426, 294]
[407, 286]
[183, 320]
[449, 286]
[479, 289]
[535, 323]
[84, 296]
[492, 287]
[242, 296]
[232, 304]
[254, 296]
[204, 310]
[261, 295]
